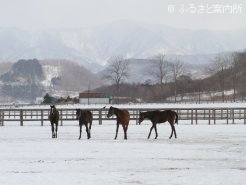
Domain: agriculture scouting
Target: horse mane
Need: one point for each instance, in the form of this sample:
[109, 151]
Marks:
[119, 110]
[116, 109]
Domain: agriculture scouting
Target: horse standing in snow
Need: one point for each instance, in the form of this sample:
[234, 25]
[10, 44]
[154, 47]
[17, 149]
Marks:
[54, 119]
[160, 117]
[122, 117]
[85, 118]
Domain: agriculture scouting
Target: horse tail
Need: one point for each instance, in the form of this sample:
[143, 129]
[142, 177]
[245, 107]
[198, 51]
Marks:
[176, 115]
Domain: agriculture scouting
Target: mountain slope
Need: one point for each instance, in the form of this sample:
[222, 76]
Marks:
[92, 47]
[28, 79]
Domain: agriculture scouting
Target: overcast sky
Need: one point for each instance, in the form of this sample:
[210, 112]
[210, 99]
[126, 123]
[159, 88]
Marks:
[85, 13]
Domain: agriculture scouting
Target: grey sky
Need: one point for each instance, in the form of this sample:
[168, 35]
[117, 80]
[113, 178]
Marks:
[83, 13]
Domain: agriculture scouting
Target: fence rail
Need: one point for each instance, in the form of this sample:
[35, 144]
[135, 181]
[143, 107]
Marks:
[194, 115]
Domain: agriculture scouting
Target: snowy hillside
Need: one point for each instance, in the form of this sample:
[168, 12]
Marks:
[28, 79]
[93, 46]
[50, 72]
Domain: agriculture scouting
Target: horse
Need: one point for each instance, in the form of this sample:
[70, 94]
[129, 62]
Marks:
[54, 119]
[85, 118]
[122, 117]
[160, 117]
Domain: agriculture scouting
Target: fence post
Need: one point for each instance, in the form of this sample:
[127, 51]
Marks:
[227, 117]
[42, 118]
[221, 114]
[61, 117]
[196, 116]
[178, 112]
[1, 118]
[214, 116]
[100, 117]
[209, 116]
[244, 116]
[233, 116]
[136, 116]
[192, 116]
[21, 117]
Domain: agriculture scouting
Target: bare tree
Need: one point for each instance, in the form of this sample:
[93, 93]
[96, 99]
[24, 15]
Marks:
[117, 71]
[177, 69]
[221, 63]
[235, 60]
[160, 70]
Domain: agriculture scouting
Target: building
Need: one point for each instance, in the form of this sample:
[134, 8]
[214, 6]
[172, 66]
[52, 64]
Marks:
[94, 98]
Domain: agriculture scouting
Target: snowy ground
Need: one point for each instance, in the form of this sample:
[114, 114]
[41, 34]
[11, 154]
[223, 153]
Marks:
[202, 154]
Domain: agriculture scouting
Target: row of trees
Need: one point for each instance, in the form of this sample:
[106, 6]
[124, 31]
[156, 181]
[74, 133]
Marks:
[48, 99]
[227, 72]
[162, 72]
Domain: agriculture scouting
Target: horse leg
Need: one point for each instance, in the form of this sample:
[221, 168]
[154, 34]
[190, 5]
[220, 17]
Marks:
[156, 134]
[117, 128]
[172, 131]
[52, 129]
[87, 131]
[90, 127]
[150, 131]
[80, 130]
[56, 129]
[125, 131]
[127, 126]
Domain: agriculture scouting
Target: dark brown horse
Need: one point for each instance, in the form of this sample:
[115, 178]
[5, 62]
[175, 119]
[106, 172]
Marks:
[122, 117]
[85, 118]
[160, 117]
[54, 119]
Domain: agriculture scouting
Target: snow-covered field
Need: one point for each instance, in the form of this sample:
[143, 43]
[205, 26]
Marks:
[202, 154]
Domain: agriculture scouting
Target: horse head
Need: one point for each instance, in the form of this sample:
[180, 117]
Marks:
[110, 112]
[77, 114]
[52, 109]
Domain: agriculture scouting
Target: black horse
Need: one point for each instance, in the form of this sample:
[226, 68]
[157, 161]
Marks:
[85, 118]
[54, 119]
[160, 117]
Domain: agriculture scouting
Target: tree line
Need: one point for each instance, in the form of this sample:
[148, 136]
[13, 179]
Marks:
[170, 79]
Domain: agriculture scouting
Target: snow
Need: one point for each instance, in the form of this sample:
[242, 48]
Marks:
[201, 155]
[50, 71]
